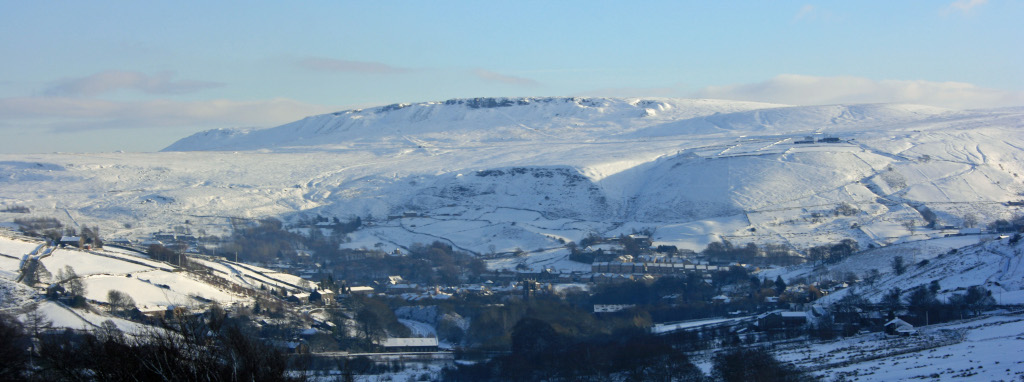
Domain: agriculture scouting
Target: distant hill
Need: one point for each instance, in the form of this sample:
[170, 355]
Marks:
[497, 174]
[468, 120]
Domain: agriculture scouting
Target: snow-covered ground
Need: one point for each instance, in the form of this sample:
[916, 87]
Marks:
[419, 329]
[86, 264]
[497, 175]
[984, 349]
[63, 317]
[250, 276]
[12, 253]
[494, 175]
[152, 284]
[956, 263]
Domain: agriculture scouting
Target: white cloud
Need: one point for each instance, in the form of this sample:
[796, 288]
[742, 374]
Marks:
[965, 5]
[505, 79]
[335, 65]
[113, 80]
[810, 90]
[804, 11]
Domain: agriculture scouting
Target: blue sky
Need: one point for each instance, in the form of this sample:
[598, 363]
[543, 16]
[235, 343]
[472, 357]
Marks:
[135, 76]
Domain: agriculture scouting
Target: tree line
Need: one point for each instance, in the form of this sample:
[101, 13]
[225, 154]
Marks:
[185, 348]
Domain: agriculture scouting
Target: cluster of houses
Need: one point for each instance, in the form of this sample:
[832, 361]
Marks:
[810, 139]
[644, 261]
[666, 267]
[395, 286]
[790, 321]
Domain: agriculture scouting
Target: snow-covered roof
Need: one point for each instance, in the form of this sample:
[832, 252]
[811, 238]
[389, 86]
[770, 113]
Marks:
[604, 246]
[611, 308]
[899, 323]
[358, 289]
[410, 342]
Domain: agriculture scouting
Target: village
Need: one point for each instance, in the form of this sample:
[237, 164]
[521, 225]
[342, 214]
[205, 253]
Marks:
[432, 304]
[719, 294]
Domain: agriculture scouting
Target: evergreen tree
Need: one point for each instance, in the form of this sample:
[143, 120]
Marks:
[780, 285]
[898, 265]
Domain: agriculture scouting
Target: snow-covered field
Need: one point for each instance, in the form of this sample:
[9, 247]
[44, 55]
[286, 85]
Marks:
[152, 284]
[86, 264]
[250, 276]
[63, 317]
[956, 263]
[984, 349]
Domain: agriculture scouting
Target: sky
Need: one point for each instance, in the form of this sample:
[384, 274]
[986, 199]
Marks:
[133, 76]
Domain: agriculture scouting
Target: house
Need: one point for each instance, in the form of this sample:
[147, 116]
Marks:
[611, 308]
[328, 296]
[175, 311]
[898, 327]
[54, 291]
[75, 241]
[298, 298]
[402, 288]
[153, 311]
[397, 345]
[779, 320]
[315, 297]
[360, 289]
[299, 347]
[792, 319]
[295, 346]
[970, 231]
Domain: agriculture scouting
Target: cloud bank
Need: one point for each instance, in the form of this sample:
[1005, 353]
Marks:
[114, 80]
[63, 114]
[796, 89]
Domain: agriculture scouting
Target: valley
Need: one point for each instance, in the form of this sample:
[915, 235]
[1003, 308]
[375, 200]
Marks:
[463, 220]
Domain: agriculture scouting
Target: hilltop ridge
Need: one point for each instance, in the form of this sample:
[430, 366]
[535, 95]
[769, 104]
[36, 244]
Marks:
[474, 119]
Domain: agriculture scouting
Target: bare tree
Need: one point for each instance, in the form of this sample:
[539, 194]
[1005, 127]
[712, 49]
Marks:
[34, 272]
[108, 331]
[72, 282]
[910, 225]
[898, 265]
[872, 276]
[35, 322]
[13, 342]
[120, 302]
[970, 220]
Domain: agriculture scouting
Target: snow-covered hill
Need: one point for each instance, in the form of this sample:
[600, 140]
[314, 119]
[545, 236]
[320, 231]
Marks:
[496, 174]
[956, 263]
[153, 285]
[467, 120]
